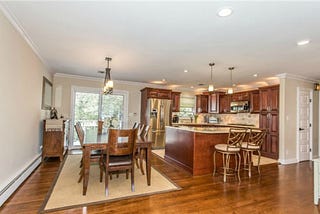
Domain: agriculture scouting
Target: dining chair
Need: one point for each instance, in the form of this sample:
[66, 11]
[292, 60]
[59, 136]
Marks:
[232, 147]
[253, 144]
[95, 156]
[139, 157]
[120, 154]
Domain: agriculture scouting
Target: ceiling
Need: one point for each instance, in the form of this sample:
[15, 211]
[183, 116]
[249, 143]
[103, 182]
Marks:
[151, 41]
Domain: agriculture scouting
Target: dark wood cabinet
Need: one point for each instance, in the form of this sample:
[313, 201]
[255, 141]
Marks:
[156, 93]
[224, 103]
[213, 102]
[269, 120]
[255, 101]
[241, 96]
[175, 97]
[55, 138]
[202, 103]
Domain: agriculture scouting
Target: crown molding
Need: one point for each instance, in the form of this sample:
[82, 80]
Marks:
[296, 77]
[16, 24]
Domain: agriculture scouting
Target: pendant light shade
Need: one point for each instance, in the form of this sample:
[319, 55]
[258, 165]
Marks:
[211, 87]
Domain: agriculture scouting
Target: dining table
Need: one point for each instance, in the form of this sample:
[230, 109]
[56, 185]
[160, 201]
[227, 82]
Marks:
[99, 141]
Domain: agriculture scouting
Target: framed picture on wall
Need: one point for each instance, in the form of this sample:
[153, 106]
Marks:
[46, 94]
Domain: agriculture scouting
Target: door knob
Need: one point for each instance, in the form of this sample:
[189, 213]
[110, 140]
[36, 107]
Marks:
[301, 129]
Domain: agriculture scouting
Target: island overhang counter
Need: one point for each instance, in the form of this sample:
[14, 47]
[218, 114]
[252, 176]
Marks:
[192, 147]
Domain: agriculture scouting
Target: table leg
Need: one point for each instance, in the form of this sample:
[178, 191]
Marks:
[148, 165]
[86, 169]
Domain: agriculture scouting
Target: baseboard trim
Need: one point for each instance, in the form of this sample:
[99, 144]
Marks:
[8, 190]
[288, 161]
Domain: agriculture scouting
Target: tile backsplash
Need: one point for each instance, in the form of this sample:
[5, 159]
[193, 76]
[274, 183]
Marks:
[239, 118]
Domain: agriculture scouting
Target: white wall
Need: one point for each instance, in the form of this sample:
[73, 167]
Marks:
[288, 118]
[21, 74]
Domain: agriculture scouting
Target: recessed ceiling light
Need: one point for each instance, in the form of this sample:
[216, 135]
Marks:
[255, 75]
[185, 71]
[163, 80]
[225, 12]
[191, 86]
[303, 42]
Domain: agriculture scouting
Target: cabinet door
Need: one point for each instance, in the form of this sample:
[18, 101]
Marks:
[202, 104]
[274, 99]
[264, 98]
[255, 102]
[224, 103]
[175, 101]
[214, 103]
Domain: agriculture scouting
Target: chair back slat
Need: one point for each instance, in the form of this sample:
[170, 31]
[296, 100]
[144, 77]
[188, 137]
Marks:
[141, 128]
[121, 141]
[80, 132]
[146, 131]
[236, 136]
[257, 137]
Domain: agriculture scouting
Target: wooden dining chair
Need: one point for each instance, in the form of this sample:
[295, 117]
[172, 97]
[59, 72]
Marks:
[95, 156]
[120, 154]
[139, 157]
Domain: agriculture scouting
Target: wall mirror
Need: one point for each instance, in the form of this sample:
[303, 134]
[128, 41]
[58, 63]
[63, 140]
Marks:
[46, 94]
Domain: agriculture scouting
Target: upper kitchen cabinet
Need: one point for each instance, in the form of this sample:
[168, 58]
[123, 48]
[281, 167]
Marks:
[241, 96]
[213, 99]
[224, 103]
[254, 101]
[156, 93]
[269, 98]
[175, 97]
[202, 103]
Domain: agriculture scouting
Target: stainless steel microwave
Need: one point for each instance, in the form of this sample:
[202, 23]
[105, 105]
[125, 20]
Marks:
[239, 106]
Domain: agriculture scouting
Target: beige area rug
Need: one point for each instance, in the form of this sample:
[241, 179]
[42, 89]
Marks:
[159, 152]
[67, 192]
[263, 160]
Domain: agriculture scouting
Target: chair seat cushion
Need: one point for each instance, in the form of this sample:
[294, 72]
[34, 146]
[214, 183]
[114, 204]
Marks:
[225, 148]
[120, 160]
[246, 145]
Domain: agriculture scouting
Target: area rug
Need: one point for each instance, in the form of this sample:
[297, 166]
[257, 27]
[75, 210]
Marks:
[67, 192]
[263, 160]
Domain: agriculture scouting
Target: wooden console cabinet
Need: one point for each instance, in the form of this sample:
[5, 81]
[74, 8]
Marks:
[55, 138]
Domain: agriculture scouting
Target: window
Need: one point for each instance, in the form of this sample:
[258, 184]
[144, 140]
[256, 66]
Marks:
[89, 106]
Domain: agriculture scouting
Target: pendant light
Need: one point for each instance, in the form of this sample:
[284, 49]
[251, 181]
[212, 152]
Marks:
[230, 90]
[108, 83]
[211, 87]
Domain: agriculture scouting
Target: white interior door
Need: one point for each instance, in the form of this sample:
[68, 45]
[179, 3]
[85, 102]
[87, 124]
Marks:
[304, 118]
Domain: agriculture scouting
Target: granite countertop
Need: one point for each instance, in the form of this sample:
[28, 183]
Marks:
[239, 125]
[209, 130]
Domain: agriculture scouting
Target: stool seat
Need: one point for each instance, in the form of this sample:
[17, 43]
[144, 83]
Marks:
[226, 148]
[249, 146]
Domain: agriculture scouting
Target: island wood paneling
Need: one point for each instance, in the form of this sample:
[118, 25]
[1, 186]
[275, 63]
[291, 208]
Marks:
[193, 150]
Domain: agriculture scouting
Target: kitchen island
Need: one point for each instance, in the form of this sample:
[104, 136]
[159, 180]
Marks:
[192, 147]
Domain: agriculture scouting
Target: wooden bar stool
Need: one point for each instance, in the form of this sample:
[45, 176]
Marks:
[253, 144]
[232, 147]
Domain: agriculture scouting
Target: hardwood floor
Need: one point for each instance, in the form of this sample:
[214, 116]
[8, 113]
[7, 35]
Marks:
[280, 189]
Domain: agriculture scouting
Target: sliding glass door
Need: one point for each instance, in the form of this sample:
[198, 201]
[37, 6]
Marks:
[89, 106]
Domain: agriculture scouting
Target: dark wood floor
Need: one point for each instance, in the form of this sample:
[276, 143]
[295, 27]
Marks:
[280, 189]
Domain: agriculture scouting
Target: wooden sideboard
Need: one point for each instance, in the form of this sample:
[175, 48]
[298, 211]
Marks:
[55, 138]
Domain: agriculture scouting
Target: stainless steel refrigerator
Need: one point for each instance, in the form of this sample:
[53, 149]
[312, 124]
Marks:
[158, 117]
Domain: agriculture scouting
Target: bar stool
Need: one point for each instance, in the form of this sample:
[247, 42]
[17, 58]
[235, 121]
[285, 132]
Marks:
[232, 147]
[253, 144]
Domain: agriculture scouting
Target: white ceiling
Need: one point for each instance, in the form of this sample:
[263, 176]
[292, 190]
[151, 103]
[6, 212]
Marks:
[149, 41]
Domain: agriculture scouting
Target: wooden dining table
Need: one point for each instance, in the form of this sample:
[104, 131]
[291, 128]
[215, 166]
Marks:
[100, 142]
